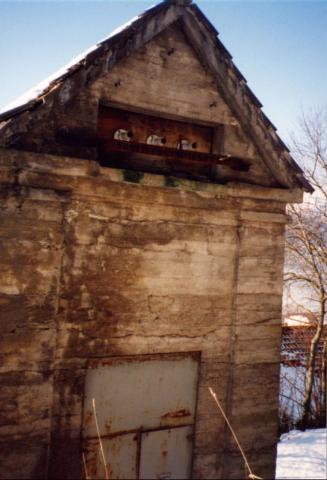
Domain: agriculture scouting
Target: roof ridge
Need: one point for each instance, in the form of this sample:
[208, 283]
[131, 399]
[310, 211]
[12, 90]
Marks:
[214, 56]
[180, 3]
[33, 96]
[248, 101]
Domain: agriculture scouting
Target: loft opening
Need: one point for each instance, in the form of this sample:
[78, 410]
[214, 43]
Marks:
[150, 143]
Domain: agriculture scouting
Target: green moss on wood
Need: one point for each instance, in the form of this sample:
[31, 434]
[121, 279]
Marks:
[132, 176]
[171, 182]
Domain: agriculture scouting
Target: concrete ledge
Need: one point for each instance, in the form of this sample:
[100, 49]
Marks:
[15, 164]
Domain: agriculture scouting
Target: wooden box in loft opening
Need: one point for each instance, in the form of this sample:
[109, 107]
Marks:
[144, 142]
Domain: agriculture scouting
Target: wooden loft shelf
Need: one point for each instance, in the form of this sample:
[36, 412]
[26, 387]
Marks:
[198, 160]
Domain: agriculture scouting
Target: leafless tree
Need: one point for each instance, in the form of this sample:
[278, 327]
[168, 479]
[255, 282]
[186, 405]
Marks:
[306, 245]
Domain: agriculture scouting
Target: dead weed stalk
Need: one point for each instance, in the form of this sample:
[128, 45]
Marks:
[251, 475]
[87, 477]
[105, 466]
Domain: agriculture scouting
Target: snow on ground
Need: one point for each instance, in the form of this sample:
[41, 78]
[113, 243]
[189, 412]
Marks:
[302, 455]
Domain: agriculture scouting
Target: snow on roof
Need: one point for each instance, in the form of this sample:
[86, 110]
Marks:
[39, 89]
[248, 105]
[42, 86]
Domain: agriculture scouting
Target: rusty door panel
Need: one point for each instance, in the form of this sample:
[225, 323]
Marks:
[145, 409]
[120, 454]
[150, 392]
[166, 454]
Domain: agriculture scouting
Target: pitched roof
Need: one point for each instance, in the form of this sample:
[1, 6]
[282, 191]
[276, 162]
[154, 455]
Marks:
[214, 57]
[34, 96]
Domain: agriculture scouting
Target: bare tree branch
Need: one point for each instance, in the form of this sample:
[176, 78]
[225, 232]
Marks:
[306, 240]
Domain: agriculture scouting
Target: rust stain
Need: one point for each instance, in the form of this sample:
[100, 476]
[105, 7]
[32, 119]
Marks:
[107, 425]
[88, 417]
[183, 412]
[91, 455]
[94, 463]
[125, 359]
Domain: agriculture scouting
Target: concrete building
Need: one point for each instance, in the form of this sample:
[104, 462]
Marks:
[142, 225]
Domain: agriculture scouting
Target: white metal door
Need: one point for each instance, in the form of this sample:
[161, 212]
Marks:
[145, 409]
[167, 453]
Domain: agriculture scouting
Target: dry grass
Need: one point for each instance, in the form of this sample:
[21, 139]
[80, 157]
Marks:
[251, 475]
[103, 458]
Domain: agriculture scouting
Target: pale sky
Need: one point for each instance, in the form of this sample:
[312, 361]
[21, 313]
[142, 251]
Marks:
[279, 46]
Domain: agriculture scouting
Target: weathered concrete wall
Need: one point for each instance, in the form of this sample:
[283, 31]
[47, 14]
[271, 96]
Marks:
[31, 250]
[94, 265]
